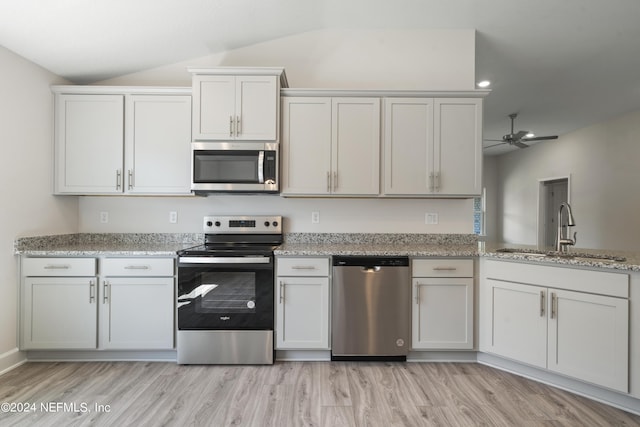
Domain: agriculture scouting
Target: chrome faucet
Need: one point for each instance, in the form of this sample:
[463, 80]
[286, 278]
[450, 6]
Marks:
[563, 242]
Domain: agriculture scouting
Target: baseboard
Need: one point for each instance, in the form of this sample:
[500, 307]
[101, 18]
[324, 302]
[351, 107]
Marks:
[11, 360]
[303, 355]
[467, 356]
[101, 356]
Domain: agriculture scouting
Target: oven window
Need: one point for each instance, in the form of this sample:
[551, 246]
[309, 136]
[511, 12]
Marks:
[227, 293]
[225, 166]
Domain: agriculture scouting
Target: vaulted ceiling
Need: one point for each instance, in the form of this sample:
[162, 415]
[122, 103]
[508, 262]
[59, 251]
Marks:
[561, 65]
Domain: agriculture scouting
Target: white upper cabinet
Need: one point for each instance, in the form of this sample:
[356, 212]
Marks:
[331, 146]
[433, 146]
[236, 104]
[157, 143]
[89, 144]
[117, 141]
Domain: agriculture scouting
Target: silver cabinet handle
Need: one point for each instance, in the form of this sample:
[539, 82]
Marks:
[335, 181]
[554, 305]
[57, 267]
[238, 129]
[137, 267]
[541, 303]
[431, 187]
[445, 268]
[437, 182]
[92, 291]
[118, 179]
[281, 292]
[230, 126]
[418, 292]
[130, 176]
[105, 298]
[303, 267]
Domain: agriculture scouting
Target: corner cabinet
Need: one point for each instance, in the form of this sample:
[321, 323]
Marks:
[442, 308]
[122, 140]
[570, 321]
[330, 146]
[236, 103]
[432, 146]
[302, 303]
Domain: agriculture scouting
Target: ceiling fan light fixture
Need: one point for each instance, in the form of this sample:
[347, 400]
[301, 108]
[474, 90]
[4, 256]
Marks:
[530, 135]
[484, 83]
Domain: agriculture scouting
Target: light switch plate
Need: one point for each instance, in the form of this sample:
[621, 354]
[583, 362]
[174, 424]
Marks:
[431, 218]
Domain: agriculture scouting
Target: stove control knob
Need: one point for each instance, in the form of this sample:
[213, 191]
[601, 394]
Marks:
[217, 224]
[209, 223]
[275, 223]
[266, 223]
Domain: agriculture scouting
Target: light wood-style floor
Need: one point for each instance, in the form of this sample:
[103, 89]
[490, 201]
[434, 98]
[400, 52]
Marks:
[290, 394]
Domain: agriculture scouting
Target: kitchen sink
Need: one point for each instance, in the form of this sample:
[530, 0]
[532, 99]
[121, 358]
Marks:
[570, 256]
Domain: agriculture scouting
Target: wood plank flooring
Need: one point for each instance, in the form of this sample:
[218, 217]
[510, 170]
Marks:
[290, 394]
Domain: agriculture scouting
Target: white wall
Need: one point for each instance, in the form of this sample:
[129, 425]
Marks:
[603, 162]
[345, 59]
[490, 183]
[354, 59]
[28, 208]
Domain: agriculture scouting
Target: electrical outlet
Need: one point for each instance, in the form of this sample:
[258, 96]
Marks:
[104, 217]
[315, 217]
[431, 218]
[173, 217]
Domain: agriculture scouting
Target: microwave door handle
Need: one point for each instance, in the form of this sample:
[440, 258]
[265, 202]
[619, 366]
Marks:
[261, 167]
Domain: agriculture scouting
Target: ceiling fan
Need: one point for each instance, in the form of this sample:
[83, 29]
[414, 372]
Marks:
[518, 138]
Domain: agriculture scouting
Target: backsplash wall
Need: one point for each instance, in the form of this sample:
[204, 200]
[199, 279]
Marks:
[151, 214]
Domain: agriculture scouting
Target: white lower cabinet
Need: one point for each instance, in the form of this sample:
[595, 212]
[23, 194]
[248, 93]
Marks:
[577, 325]
[59, 303]
[442, 308]
[302, 303]
[130, 306]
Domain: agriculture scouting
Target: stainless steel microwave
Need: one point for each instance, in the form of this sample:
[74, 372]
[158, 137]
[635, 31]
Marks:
[245, 167]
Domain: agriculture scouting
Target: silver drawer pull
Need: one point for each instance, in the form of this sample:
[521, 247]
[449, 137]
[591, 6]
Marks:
[57, 267]
[444, 268]
[303, 267]
[137, 267]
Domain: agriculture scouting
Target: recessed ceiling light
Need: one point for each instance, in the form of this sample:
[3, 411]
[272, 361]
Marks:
[484, 83]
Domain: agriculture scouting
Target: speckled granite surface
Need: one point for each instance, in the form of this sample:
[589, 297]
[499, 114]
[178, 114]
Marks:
[96, 244]
[319, 244]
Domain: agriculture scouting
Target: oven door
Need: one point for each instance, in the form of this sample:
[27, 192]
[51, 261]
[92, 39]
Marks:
[225, 293]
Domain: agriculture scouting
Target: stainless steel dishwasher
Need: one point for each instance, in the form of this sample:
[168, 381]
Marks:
[371, 308]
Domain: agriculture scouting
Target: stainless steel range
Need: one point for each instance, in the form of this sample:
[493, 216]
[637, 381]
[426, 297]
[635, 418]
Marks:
[226, 292]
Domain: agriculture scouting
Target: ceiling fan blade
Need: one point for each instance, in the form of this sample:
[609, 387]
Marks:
[496, 140]
[541, 138]
[494, 145]
[519, 135]
[520, 144]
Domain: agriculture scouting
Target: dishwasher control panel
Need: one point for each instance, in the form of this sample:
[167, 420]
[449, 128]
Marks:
[371, 261]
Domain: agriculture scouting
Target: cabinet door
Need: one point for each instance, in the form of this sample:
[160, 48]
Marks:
[442, 313]
[157, 144]
[355, 156]
[408, 146]
[59, 313]
[518, 322]
[89, 139]
[257, 101]
[214, 109]
[302, 313]
[306, 145]
[137, 313]
[589, 338]
[458, 146]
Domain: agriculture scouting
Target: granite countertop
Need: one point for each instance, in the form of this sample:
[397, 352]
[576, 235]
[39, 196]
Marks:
[319, 244]
[109, 244]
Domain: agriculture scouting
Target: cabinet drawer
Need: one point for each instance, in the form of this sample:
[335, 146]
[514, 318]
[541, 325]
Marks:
[303, 266]
[63, 267]
[130, 267]
[442, 267]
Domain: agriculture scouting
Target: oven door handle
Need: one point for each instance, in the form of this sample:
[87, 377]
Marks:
[224, 260]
